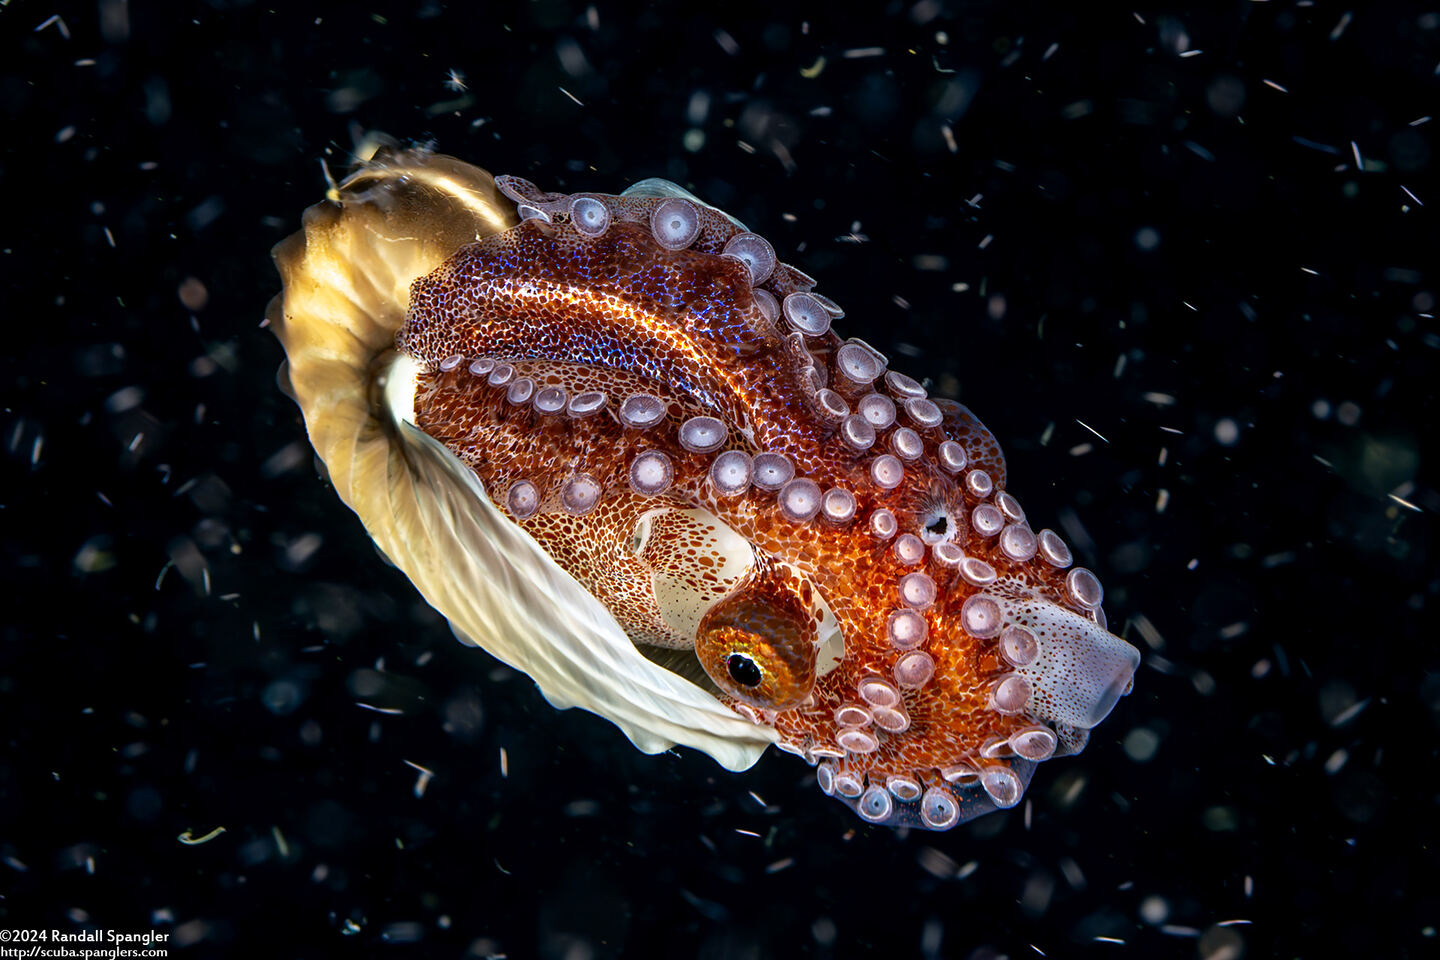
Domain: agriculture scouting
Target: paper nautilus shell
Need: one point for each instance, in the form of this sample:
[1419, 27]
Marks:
[622, 447]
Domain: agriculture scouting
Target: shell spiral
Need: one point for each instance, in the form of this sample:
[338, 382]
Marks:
[771, 535]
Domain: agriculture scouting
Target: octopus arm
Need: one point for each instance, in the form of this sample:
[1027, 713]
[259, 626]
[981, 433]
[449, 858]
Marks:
[962, 426]
[347, 280]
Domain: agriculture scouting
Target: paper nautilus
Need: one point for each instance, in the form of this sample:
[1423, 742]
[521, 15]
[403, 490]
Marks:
[622, 447]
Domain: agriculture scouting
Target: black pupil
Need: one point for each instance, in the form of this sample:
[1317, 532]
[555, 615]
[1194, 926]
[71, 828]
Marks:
[938, 527]
[742, 670]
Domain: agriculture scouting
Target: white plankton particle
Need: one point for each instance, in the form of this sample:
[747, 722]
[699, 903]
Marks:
[422, 781]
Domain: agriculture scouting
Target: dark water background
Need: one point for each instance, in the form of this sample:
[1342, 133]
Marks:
[1161, 245]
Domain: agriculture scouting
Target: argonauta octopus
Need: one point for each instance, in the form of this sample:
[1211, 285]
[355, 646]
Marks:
[619, 445]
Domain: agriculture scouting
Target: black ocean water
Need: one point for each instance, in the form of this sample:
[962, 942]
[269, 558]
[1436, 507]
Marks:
[1179, 258]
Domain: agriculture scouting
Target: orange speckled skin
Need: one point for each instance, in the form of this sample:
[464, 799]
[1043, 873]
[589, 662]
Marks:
[622, 314]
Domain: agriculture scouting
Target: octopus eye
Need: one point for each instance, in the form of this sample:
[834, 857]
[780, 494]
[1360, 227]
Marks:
[743, 670]
[759, 645]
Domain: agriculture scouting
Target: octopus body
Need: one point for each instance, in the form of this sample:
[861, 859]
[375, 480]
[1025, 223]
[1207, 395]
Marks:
[767, 510]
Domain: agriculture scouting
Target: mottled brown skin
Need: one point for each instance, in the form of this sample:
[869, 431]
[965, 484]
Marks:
[622, 314]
